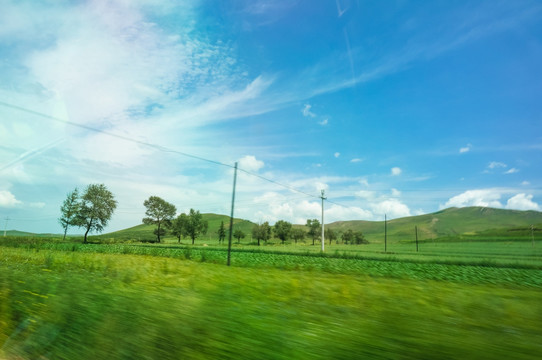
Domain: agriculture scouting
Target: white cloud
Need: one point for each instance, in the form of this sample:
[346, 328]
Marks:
[393, 208]
[395, 192]
[522, 202]
[483, 197]
[512, 171]
[496, 165]
[7, 199]
[356, 160]
[365, 194]
[396, 171]
[364, 182]
[250, 163]
[37, 205]
[525, 183]
[341, 213]
[323, 122]
[465, 149]
[337, 154]
[307, 111]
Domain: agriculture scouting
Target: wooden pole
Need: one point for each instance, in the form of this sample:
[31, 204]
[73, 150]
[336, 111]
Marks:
[231, 217]
[416, 228]
[385, 233]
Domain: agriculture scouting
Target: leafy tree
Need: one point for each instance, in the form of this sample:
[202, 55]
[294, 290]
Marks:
[298, 234]
[330, 234]
[347, 236]
[178, 226]
[159, 212]
[261, 232]
[282, 230]
[221, 233]
[69, 210]
[195, 225]
[314, 229]
[239, 234]
[360, 238]
[96, 208]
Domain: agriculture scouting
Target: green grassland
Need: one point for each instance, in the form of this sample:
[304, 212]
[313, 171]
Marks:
[452, 300]
[470, 290]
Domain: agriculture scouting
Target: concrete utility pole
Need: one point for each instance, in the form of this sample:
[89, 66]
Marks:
[6, 226]
[231, 217]
[323, 198]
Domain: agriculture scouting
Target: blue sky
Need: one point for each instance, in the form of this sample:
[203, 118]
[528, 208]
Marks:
[393, 107]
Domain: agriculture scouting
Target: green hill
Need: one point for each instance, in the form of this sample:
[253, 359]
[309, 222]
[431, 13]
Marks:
[145, 232]
[27, 234]
[452, 222]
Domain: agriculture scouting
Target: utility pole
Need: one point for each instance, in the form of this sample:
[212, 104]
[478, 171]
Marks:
[416, 229]
[385, 233]
[231, 217]
[6, 226]
[323, 198]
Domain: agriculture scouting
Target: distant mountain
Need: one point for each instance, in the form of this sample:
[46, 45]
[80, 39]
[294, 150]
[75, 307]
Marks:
[448, 222]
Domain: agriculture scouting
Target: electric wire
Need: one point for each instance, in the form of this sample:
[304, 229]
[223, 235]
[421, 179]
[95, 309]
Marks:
[150, 145]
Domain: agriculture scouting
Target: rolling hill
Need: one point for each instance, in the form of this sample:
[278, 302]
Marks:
[452, 222]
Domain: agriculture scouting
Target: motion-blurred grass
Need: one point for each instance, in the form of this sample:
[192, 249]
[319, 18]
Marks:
[77, 305]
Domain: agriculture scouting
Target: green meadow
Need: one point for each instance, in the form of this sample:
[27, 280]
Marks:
[130, 300]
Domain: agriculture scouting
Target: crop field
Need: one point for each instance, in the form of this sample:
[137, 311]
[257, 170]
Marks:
[457, 299]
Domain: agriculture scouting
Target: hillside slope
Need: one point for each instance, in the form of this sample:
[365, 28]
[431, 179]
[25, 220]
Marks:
[448, 222]
[145, 232]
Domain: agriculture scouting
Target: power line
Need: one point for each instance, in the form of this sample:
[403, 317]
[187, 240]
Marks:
[280, 184]
[151, 145]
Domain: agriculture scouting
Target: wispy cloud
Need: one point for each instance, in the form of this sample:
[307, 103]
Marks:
[496, 165]
[465, 149]
[307, 111]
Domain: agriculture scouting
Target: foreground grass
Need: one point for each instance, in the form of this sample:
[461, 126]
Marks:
[78, 305]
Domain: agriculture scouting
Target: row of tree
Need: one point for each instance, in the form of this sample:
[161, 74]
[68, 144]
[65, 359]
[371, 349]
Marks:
[162, 214]
[284, 230]
[93, 209]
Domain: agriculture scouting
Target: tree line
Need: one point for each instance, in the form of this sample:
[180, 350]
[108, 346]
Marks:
[284, 231]
[93, 208]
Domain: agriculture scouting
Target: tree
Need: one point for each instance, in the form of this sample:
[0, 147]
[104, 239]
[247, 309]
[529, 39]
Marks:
[261, 232]
[360, 238]
[330, 234]
[347, 236]
[298, 234]
[239, 234]
[221, 232]
[282, 230]
[178, 226]
[69, 210]
[159, 212]
[96, 208]
[314, 229]
[195, 225]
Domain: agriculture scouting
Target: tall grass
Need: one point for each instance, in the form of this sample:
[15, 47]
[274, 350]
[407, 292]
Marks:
[82, 305]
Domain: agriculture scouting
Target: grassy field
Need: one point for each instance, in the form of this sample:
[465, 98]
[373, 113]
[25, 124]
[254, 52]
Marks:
[453, 300]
